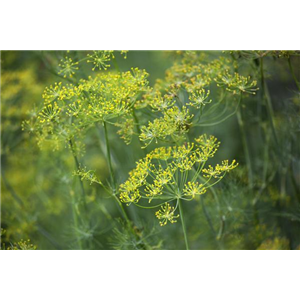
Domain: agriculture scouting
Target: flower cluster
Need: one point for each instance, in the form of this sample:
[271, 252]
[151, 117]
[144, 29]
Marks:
[237, 83]
[254, 54]
[219, 170]
[199, 98]
[188, 83]
[72, 108]
[174, 123]
[100, 59]
[165, 214]
[88, 175]
[126, 130]
[172, 173]
[22, 245]
[193, 189]
[67, 67]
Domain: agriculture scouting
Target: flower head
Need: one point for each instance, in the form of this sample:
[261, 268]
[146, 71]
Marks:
[173, 173]
[237, 83]
[199, 98]
[194, 188]
[166, 214]
[67, 67]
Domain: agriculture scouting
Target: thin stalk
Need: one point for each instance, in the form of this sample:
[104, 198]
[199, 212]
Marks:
[138, 130]
[113, 192]
[124, 213]
[208, 219]
[78, 167]
[145, 245]
[245, 145]
[108, 154]
[125, 216]
[183, 225]
[221, 121]
[222, 219]
[293, 74]
[268, 101]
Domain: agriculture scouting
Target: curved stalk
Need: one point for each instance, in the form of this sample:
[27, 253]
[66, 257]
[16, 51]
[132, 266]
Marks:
[221, 121]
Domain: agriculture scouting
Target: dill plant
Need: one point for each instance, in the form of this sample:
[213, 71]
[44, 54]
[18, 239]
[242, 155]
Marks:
[200, 93]
[173, 174]
[71, 109]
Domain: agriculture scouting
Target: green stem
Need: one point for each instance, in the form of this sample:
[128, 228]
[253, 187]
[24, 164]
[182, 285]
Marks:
[268, 102]
[78, 167]
[138, 130]
[144, 245]
[221, 121]
[208, 219]
[183, 225]
[246, 146]
[113, 192]
[293, 73]
[74, 210]
[108, 154]
[124, 213]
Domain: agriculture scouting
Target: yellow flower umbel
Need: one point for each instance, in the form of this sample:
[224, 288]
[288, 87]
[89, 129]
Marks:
[101, 58]
[175, 123]
[70, 109]
[194, 188]
[237, 83]
[173, 174]
[199, 98]
[192, 82]
[67, 67]
[219, 170]
[166, 214]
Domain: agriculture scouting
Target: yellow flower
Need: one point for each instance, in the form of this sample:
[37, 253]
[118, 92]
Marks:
[194, 188]
[199, 98]
[165, 214]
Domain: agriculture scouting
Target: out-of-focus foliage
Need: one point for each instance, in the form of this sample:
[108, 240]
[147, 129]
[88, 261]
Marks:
[85, 133]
